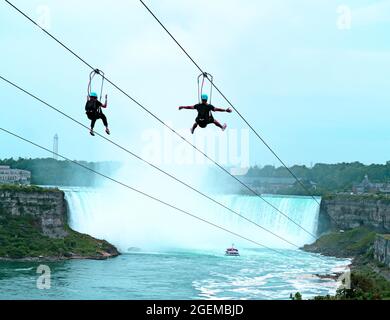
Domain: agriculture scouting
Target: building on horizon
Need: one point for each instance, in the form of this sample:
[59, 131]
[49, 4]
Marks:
[366, 186]
[14, 176]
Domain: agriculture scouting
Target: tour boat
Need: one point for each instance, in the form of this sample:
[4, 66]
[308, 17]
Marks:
[232, 251]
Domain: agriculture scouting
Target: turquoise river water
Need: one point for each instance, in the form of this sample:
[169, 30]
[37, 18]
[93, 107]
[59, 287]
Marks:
[176, 257]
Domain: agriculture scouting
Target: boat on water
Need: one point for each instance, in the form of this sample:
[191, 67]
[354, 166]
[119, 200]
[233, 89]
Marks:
[232, 251]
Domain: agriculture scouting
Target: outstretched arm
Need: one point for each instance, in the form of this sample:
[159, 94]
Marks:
[228, 110]
[187, 107]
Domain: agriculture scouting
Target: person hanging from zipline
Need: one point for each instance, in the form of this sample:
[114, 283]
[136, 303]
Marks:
[93, 109]
[205, 116]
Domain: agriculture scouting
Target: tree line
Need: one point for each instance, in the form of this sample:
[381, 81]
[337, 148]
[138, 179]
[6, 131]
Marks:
[329, 177]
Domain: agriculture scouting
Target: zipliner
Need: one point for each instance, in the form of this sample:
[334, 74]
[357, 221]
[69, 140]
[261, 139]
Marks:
[205, 116]
[93, 109]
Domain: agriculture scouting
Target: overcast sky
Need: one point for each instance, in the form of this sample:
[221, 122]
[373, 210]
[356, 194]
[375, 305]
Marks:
[311, 76]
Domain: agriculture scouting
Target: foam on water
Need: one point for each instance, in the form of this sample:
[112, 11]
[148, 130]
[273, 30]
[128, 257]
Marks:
[128, 220]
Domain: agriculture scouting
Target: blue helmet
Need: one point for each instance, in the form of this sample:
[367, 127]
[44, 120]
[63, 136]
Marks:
[205, 97]
[93, 95]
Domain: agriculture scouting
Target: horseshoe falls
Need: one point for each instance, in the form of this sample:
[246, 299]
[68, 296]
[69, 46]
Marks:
[169, 255]
[130, 221]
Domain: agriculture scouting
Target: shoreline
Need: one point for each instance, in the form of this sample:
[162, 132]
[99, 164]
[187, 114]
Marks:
[60, 259]
[367, 279]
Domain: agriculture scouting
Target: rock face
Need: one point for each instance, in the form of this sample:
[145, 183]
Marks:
[382, 249]
[33, 225]
[342, 212]
[49, 209]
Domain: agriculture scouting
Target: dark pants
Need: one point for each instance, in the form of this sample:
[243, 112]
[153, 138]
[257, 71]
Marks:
[95, 116]
[204, 122]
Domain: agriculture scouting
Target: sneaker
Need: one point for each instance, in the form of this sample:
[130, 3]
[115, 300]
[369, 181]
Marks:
[91, 133]
[224, 127]
[107, 131]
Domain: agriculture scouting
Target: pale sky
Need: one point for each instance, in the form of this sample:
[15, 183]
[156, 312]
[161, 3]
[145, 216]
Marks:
[313, 84]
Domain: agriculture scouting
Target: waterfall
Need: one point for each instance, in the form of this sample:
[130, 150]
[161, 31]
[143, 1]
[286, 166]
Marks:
[131, 221]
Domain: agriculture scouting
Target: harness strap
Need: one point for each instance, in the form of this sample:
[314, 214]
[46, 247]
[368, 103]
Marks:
[91, 77]
[204, 76]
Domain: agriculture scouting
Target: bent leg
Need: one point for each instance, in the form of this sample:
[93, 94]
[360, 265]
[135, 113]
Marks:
[93, 121]
[104, 119]
[223, 127]
[194, 127]
[218, 124]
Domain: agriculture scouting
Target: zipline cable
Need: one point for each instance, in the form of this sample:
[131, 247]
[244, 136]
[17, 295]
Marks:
[139, 191]
[162, 122]
[145, 161]
[228, 101]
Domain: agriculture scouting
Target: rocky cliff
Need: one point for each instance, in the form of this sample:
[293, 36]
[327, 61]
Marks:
[33, 224]
[347, 212]
[382, 249]
[48, 207]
